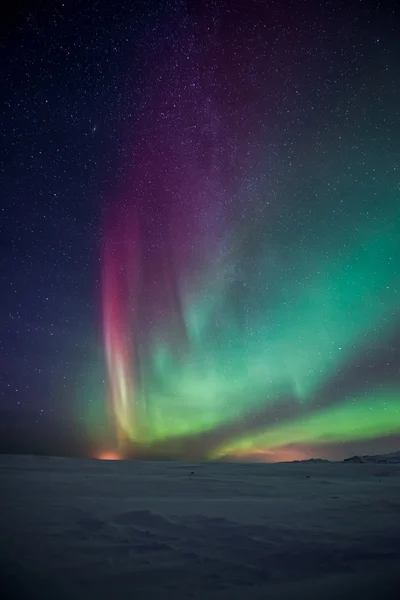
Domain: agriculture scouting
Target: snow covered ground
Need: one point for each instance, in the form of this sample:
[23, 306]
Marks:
[82, 529]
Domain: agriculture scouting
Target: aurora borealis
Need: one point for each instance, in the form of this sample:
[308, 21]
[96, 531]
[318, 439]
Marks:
[217, 373]
[227, 324]
[216, 269]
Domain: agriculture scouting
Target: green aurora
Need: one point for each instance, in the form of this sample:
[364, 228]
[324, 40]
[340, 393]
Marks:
[266, 314]
[251, 381]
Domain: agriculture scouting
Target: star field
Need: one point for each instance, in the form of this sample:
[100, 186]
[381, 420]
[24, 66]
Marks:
[200, 229]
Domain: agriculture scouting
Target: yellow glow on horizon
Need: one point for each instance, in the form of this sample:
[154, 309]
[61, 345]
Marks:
[108, 455]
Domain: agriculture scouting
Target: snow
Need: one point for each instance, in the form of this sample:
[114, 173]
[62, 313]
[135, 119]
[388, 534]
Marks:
[82, 528]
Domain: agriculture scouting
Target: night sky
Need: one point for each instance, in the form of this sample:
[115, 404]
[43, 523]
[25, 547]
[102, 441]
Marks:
[200, 229]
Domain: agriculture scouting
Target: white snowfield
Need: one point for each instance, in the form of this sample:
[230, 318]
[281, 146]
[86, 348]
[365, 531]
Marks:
[82, 529]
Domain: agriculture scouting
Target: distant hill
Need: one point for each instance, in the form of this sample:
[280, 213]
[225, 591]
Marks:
[393, 458]
[312, 460]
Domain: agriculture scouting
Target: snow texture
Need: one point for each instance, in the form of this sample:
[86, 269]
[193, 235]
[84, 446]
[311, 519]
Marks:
[82, 529]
